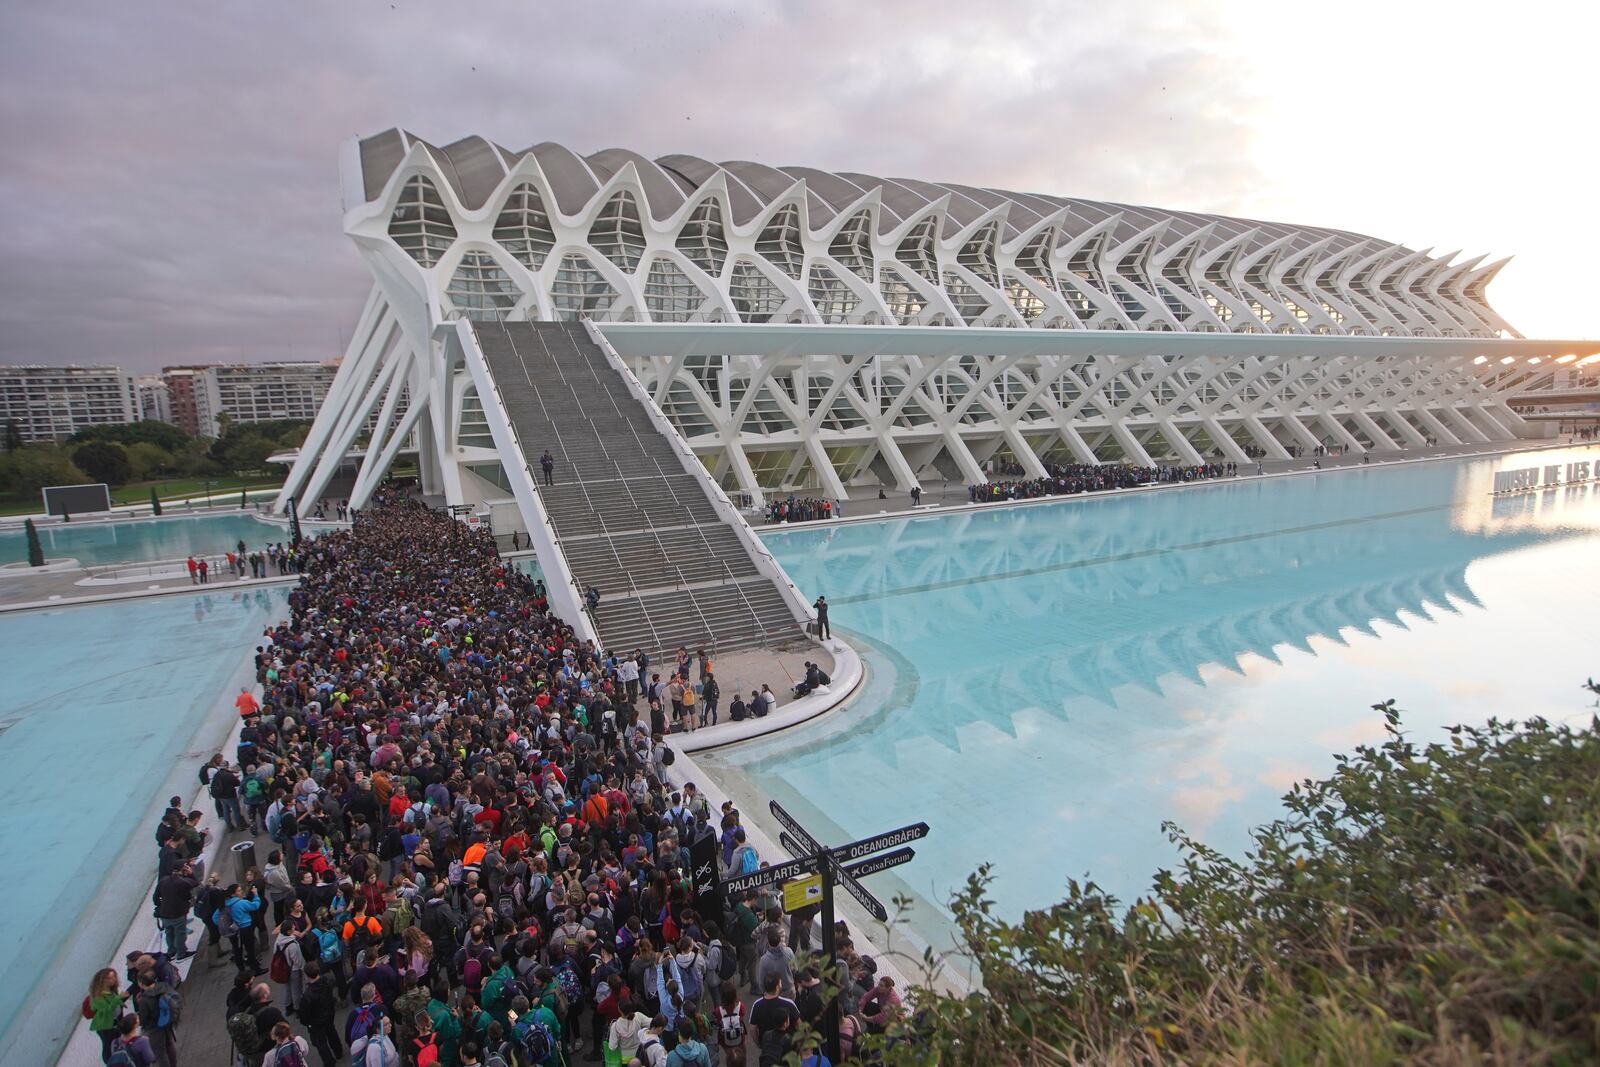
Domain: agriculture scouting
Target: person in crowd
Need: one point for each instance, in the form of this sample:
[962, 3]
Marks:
[468, 803]
[103, 1007]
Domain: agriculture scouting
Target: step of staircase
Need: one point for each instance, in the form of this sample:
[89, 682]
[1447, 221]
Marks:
[631, 520]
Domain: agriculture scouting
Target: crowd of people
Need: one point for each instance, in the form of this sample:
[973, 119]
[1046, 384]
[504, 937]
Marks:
[802, 509]
[1092, 478]
[474, 857]
[286, 560]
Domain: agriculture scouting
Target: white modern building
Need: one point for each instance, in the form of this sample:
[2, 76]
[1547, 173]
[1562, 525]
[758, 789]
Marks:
[813, 330]
[52, 403]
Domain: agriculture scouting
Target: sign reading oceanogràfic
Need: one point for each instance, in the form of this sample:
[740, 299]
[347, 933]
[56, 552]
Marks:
[868, 845]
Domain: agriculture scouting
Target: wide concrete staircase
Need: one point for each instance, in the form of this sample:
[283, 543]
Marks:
[630, 519]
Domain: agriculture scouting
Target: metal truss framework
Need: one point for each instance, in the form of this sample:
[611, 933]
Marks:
[736, 254]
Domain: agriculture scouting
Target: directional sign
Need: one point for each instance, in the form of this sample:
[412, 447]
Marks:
[864, 898]
[794, 847]
[862, 868]
[778, 872]
[808, 844]
[846, 876]
[868, 845]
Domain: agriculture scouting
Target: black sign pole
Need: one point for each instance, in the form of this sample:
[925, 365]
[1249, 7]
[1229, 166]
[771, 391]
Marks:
[830, 1014]
[294, 523]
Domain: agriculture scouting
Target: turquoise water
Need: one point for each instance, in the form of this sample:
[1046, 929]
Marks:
[105, 712]
[1048, 683]
[95, 543]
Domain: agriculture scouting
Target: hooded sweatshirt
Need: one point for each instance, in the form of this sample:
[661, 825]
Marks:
[776, 960]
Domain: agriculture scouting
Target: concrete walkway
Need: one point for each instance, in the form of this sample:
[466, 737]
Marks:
[24, 590]
[941, 495]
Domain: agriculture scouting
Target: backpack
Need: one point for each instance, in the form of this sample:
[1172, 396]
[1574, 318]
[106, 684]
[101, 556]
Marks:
[500, 1057]
[400, 916]
[472, 973]
[668, 757]
[567, 982]
[427, 1052]
[288, 1056]
[361, 1022]
[245, 1034]
[691, 982]
[310, 946]
[536, 1040]
[669, 927]
[332, 949]
[224, 919]
[727, 962]
[253, 790]
[280, 966]
[120, 1056]
[169, 1009]
[409, 1005]
[362, 935]
[730, 1027]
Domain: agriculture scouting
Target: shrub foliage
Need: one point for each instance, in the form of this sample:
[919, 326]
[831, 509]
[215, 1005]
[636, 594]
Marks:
[1434, 904]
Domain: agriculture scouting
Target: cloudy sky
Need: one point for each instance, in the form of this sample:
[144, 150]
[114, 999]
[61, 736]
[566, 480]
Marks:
[170, 186]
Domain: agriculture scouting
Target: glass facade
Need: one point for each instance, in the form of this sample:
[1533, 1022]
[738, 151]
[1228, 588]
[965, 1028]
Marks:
[420, 223]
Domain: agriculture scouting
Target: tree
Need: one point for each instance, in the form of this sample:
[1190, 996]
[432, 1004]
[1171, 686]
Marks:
[242, 452]
[1426, 903]
[155, 502]
[13, 436]
[104, 461]
[163, 435]
[27, 470]
[35, 549]
[148, 460]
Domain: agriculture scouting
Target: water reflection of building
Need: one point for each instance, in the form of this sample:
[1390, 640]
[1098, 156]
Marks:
[1118, 595]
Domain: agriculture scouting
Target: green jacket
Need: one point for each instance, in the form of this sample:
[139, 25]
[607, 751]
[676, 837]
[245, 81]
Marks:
[448, 1028]
[106, 1007]
[495, 999]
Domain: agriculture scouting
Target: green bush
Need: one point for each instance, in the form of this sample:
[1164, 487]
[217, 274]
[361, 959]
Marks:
[26, 470]
[104, 461]
[1433, 904]
[163, 435]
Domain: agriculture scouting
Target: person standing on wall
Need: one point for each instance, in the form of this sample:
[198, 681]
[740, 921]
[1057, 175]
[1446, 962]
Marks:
[822, 617]
[547, 464]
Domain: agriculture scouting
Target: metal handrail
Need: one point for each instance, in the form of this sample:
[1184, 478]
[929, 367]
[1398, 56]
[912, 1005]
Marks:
[697, 527]
[751, 608]
[650, 529]
[638, 598]
[705, 623]
[718, 500]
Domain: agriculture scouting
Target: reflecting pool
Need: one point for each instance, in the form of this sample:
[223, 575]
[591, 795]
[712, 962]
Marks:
[1048, 683]
[106, 711]
[95, 543]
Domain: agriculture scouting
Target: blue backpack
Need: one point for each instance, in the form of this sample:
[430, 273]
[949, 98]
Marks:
[536, 1040]
[362, 1020]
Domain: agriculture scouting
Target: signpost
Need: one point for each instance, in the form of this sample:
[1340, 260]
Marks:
[812, 876]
